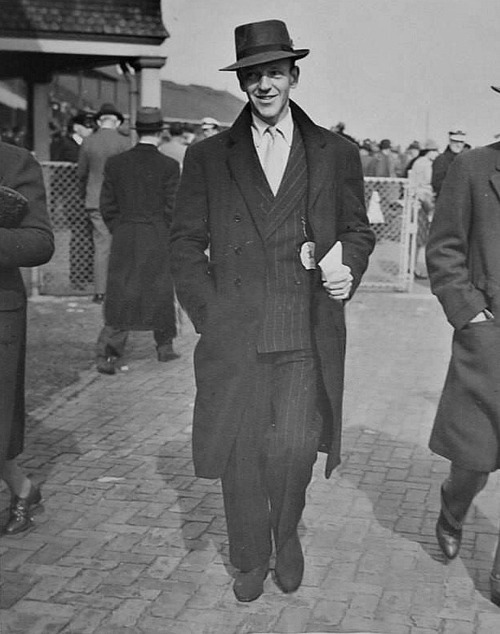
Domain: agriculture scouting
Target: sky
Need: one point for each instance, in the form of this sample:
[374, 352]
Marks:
[397, 69]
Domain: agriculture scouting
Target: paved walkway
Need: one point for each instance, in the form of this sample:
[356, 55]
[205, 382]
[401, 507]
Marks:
[130, 541]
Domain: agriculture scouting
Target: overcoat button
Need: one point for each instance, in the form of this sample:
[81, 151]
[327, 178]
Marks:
[298, 282]
[237, 218]
[237, 249]
[237, 281]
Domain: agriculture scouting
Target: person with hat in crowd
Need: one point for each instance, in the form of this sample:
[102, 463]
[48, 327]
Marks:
[259, 210]
[175, 143]
[463, 259]
[94, 152]
[136, 203]
[209, 127]
[419, 180]
[409, 156]
[67, 147]
[441, 165]
[81, 246]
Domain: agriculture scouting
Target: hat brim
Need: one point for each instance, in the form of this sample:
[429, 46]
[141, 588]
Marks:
[118, 115]
[150, 128]
[496, 88]
[268, 56]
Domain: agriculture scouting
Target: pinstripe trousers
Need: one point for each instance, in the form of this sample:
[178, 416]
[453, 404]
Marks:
[264, 484]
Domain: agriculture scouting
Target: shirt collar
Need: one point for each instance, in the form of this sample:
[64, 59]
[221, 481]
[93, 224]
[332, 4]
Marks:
[285, 126]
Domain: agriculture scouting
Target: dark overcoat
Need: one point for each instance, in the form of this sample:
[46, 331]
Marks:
[224, 292]
[136, 203]
[463, 256]
[29, 244]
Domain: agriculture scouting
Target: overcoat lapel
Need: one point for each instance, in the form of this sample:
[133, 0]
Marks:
[315, 146]
[495, 177]
[245, 168]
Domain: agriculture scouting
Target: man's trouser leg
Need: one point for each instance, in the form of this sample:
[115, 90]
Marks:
[102, 243]
[111, 342]
[270, 466]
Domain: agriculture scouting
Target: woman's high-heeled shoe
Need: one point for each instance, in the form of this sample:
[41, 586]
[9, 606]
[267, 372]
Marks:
[495, 588]
[448, 531]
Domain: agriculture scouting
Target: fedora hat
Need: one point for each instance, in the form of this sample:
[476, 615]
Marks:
[108, 109]
[261, 42]
[149, 120]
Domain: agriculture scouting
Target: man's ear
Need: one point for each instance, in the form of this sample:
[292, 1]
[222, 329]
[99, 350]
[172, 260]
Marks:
[295, 72]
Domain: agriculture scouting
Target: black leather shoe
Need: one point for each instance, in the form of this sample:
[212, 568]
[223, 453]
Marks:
[248, 586]
[448, 531]
[495, 588]
[166, 353]
[98, 298]
[106, 365]
[21, 511]
[289, 568]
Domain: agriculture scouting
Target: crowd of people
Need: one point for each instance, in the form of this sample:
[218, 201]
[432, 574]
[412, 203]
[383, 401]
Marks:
[263, 232]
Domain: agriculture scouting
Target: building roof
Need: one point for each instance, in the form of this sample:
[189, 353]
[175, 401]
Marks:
[111, 20]
[193, 103]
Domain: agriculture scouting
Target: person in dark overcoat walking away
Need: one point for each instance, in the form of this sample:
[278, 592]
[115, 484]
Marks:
[26, 240]
[259, 206]
[463, 258]
[136, 203]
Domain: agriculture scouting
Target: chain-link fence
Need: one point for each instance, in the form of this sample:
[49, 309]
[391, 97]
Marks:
[391, 211]
[390, 205]
[70, 271]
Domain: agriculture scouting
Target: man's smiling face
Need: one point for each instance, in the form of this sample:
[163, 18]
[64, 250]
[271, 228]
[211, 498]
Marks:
[268, 88]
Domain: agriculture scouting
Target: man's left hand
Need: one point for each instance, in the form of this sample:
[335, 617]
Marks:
[339, 285]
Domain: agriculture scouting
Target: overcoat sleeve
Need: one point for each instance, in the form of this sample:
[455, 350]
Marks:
[355, 233]
[189, 240]
[82, 170]
[448, 248]
[108, 200]
[171, 185]
[32, 243]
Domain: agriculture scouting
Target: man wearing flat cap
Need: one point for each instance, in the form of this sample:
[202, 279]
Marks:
[94, 152]
[259, 207]
[440, 167]
[463, 259]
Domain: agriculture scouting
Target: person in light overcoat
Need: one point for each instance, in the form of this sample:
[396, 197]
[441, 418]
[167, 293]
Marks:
[269, 364]
[463, 258]
[27, 242]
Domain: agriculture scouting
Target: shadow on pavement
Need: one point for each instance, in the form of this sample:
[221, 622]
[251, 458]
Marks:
[401, 481]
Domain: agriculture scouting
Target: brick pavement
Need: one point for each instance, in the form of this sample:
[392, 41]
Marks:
[130, 541]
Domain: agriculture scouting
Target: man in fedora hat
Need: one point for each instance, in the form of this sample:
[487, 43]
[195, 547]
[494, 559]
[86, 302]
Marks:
[463, 259]
[258, 207]
[94, 152]
[136, 203]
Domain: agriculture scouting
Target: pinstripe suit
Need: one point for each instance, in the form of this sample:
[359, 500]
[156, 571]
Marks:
[269, 362]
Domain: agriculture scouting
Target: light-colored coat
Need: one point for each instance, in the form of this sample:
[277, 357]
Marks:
[224, 292]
